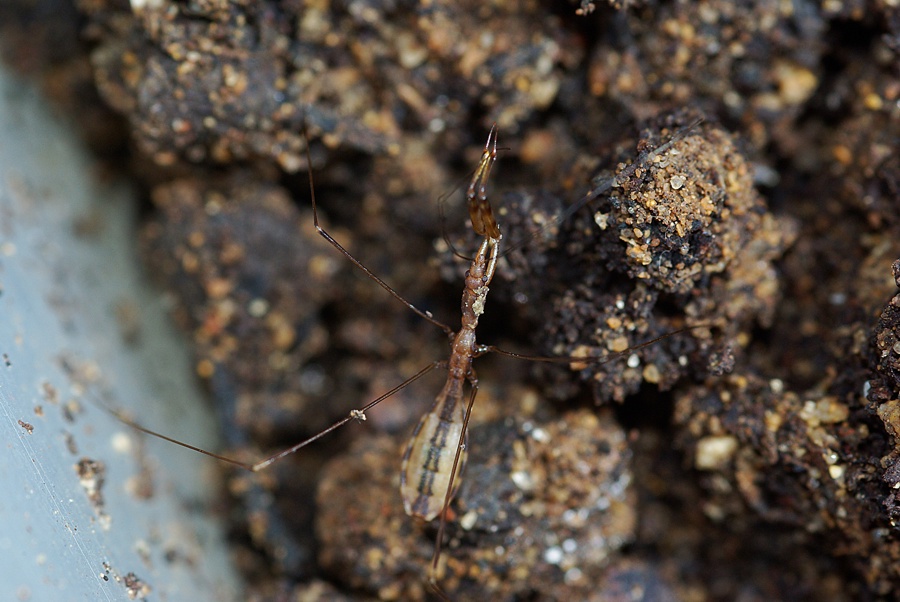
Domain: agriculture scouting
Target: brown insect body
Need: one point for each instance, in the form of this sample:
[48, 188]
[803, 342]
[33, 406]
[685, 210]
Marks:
[425, 475]
[435, 454]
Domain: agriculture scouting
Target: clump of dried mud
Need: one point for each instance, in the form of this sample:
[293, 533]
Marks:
[751, 455]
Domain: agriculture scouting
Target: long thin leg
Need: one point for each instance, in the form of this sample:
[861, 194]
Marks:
[359, 414]
[564, 359]
[312, 193]
[442, 523]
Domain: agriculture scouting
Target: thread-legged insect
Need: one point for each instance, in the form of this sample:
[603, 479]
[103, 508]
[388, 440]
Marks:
[435, 455]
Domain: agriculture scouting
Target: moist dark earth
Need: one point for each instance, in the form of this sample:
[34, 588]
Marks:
[751, 452]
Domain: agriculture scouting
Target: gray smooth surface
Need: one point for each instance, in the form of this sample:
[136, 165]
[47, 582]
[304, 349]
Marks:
[67, 269]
